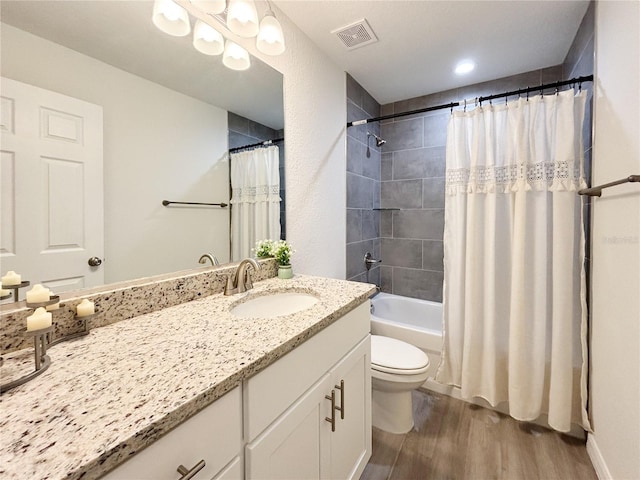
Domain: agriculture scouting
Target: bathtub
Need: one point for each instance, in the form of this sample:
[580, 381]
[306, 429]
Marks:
[418, 322]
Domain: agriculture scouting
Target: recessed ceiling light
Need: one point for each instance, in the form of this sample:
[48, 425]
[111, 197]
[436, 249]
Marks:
[464, 67]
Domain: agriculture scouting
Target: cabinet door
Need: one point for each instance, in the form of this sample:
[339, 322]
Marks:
[295, 446]
[351, 442]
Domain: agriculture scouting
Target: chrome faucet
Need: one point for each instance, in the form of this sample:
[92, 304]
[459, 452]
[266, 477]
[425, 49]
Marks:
[212, 258]
[240, 281]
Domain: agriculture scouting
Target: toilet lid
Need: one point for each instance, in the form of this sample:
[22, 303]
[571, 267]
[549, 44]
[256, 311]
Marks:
[391, 355]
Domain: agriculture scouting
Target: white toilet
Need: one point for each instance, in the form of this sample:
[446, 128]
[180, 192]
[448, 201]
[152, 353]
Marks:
[397, 368]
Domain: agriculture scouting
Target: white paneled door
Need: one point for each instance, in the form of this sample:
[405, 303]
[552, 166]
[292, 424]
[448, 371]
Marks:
[52, 187]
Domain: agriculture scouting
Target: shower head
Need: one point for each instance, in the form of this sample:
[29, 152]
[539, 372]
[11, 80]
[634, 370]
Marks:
[379, 142]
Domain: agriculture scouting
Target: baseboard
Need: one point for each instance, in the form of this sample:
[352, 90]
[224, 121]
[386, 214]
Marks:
[454, 392]
[597, 460]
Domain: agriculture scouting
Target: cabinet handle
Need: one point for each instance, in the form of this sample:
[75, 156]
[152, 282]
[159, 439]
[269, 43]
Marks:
[332, 420]
[341, 407]
[188, 474]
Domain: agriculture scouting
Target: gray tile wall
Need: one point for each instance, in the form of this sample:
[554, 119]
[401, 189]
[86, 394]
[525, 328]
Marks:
[363, 185]
[243, 131]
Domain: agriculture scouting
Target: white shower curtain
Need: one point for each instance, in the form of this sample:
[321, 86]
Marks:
[514, 292]
[255, 199]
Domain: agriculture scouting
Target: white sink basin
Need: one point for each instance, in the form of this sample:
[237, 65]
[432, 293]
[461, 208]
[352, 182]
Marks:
[274, 305]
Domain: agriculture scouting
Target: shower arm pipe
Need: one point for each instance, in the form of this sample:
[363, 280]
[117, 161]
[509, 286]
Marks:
[597, 191]
[479, 100]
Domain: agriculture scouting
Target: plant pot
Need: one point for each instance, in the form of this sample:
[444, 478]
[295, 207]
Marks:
[285, 272]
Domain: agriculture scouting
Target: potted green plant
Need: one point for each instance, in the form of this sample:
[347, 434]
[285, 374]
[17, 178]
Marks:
[264, 248]
[281, 251]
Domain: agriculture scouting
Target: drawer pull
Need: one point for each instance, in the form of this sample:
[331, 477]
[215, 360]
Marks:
[332, 420]
[188, 474]
[341, 407]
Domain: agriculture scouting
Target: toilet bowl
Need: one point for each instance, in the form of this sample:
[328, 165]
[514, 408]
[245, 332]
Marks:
[397, 368]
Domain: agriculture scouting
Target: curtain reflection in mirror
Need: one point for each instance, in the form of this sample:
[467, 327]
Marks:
[255, 199]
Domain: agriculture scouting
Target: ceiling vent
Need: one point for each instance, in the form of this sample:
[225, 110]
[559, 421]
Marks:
[356, 35]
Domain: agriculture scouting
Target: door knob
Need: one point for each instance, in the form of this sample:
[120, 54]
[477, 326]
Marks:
[95, 262]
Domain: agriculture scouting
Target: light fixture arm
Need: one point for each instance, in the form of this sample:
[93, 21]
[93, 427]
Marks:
[269, 10]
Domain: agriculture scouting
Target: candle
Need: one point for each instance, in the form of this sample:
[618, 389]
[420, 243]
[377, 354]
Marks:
[40, 319]
[38, 294]
[54, 306]
[85, 308]
[4, 292]
[11, 278]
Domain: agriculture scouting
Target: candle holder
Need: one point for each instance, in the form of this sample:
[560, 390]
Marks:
[84, 332]
[15, 288]
[52, 299]
[41, 338]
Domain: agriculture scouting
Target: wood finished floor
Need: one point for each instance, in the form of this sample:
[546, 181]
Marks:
[453, 439]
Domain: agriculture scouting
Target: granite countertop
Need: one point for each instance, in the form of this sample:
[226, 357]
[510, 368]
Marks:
[111, 393]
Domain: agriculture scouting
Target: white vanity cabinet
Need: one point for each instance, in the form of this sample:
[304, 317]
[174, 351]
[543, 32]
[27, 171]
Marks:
[213, 435]
[288, 414]
[278, 424]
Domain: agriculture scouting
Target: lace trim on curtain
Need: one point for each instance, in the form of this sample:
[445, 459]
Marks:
[260, 193]
[552, 176]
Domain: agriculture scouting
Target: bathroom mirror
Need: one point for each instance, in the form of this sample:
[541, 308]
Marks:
[162, 108]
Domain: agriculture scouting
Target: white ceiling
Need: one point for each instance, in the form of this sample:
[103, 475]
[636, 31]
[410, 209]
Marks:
[121, 34]
[420, 41]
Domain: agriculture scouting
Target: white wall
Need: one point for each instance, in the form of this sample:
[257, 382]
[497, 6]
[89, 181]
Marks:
[614, 401]
[315, 150]
[158, 144]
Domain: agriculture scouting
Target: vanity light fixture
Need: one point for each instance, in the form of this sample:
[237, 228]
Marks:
[242, 18]
[207, 40]
[171, 18]
[270, 40]
[212, 7]
[235, 57]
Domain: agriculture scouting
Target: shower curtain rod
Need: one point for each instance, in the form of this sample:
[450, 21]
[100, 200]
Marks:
[264, 143]
[479, 100]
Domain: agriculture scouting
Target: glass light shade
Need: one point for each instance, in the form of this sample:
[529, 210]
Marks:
[242, 18]
[171, 18]
[207, 40]
[235, 57]
[210, 6]
[270, 39]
